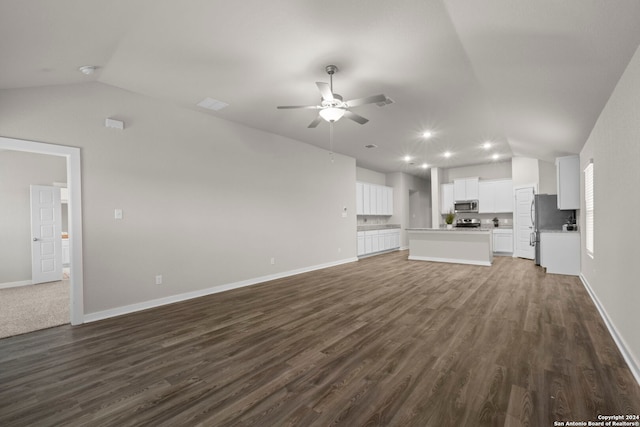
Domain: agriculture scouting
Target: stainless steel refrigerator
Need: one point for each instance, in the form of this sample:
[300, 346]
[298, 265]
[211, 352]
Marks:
[545, 215]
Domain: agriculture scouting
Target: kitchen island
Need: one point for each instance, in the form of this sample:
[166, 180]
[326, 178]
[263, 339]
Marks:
[457, 245]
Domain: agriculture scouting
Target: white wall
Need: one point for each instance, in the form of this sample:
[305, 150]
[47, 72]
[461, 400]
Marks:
[496, 170]
[525, 171]
[403, 185]
[19, 170]
[614, 146]
[206, 202]
[548, 178]
[369, 176]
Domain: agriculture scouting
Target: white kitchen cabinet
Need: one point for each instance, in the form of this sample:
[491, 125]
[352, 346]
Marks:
[395, 239]
[465, 189]
[388, 200]
[504, 196]
[366, 200]
[560, 252]
[495, 196]
[486, 197]
[368, 242]
[361, 247]
[380, 210]
[359, 198]
[372, 199]
[446, 198]
[372, 241]
[568, 182]
[503, 240]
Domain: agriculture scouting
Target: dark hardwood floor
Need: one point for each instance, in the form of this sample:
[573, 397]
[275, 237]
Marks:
[384, 341]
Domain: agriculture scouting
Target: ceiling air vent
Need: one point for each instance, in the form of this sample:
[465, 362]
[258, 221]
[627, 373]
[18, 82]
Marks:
[212, 104]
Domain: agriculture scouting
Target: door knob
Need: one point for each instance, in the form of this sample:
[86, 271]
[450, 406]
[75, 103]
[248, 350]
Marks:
[35, 239]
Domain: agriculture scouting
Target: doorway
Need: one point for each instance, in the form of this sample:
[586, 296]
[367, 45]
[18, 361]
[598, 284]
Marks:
[419, 211]
[72, 157]
[523, 222]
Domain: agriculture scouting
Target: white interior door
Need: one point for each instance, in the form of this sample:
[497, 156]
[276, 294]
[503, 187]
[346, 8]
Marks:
[524, 224]
[46, 238]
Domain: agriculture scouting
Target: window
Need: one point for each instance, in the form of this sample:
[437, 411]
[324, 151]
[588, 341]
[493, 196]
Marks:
[588, 198]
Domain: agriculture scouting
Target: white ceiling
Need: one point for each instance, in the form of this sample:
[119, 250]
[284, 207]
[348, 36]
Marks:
[531, 76]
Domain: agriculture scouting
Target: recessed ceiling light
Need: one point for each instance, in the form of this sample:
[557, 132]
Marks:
[496, 156]
[87, 70]
[407, 158]
[427, 134]
[447, 154]
[486, 145]
[425, 166]
[371, 146]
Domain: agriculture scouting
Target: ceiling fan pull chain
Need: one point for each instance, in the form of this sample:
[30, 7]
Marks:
[331, 141]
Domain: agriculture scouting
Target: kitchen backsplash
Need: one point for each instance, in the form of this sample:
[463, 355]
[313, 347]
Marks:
[505, 219]
[373, 220]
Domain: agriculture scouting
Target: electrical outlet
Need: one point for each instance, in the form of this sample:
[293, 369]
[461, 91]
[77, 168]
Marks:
[273, 261]
[159, 279]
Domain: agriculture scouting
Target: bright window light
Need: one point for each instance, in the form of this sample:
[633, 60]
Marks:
[589, 205]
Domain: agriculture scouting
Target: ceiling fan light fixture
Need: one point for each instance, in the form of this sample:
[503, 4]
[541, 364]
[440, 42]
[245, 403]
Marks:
[332, 114]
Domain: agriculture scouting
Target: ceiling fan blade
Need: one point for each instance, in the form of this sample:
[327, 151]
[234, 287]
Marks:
[315, 122]
[374, 99]
[308, 107]
[356, 118]
[325, 91]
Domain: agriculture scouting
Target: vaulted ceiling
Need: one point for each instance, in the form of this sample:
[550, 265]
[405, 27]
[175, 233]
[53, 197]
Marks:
[529, 76]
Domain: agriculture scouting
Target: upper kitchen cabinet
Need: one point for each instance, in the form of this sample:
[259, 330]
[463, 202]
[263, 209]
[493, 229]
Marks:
[359, 198]
[446, 198]
[465, 189]
[373, 199]
[495, 196]
[568, 178]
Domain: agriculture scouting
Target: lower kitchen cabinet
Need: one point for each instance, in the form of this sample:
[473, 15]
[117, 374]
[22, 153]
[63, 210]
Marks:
[560, 252]
[503, 240]
[373, 241]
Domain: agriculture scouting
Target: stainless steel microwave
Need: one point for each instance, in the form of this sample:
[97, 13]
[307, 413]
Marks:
[466, 206]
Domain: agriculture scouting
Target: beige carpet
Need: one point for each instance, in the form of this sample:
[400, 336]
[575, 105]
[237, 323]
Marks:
[29, 308]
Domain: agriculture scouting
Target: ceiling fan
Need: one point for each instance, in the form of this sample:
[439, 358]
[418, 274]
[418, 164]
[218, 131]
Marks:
[332, 107]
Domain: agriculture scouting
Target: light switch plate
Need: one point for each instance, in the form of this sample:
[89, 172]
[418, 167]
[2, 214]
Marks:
[117, 214]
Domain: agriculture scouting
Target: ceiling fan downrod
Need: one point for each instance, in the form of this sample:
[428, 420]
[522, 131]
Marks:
[331, 70]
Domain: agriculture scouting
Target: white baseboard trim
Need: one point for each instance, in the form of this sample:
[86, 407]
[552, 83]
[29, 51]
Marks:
[633, 364]
[378, 253]
[132, 308]
[450, 260]
[15, 284]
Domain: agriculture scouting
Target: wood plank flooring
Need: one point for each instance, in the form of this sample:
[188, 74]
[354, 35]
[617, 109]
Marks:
[384, 341]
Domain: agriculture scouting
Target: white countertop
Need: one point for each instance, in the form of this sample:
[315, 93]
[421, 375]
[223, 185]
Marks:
[454, 229]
